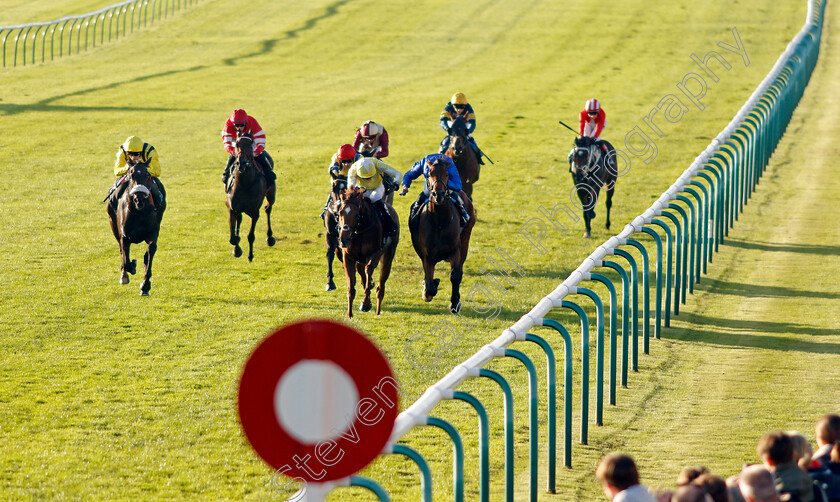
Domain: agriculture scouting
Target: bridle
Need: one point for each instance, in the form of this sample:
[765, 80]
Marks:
[355, 228]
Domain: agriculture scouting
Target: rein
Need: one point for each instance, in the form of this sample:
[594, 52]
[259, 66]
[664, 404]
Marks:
[358, 220]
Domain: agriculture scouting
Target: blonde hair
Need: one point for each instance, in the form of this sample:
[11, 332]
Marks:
[802, 451]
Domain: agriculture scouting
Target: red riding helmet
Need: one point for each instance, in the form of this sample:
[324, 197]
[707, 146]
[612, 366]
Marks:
[239, 116]
[346, 152]
[592, 105]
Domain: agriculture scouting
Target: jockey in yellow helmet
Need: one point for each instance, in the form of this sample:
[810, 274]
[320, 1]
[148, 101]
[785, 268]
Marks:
[458, 106]
[368, 172]
[135, 151]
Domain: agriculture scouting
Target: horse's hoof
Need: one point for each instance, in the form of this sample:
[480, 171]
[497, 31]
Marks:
[270, 241]
[250, 257]
[124, 279]
[607, 225]
[144, 293]
[365, 307]
[330, 286]
[237, 251]
[587, 235]
[455, 308]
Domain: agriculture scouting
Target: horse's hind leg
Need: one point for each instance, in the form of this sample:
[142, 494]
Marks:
[367, 278]
[609, 203]
[146, 285]
[455, 278]
[269, 203]
[330, 255]
[251, 235]
[234, 219]
[350, 275]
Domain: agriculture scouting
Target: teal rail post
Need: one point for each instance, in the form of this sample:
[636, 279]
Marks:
[371, 485]
[25, 36]
[551, 400]
[669, 270]
[683, 273]
[698, 241]
[718, 162]
[508, 401]
[613, 329]
[584, 371]
[711, 223]
[458, 452]
[483, 442]
[599, 348]
[646, 292]
[718, 204]
[690, 233]
[533, 416]
[677, 259]
[658, 241]
[625, 318]
[704, 221]
[425, 472]
[567, 390]
[634, 316]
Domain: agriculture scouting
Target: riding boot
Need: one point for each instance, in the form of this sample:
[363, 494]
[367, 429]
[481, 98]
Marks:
[157, 196]
[465, 216]
[385, 217]
[444, 145]
[226, 174]
[116, 191]
[326, 206]
[478, 153]
[268, 170]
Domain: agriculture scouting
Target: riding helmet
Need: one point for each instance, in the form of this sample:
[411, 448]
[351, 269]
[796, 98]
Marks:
[133, 144]
[346, 152]
[592, 105]
[366, 168]
[459, 98]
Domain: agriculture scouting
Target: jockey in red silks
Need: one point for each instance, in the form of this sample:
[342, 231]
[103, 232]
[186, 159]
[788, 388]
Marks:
[592, 121]
[240, 124]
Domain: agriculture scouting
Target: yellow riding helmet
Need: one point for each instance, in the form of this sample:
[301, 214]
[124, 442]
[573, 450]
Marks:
[459, 99]
[133, 144]
[366, 167]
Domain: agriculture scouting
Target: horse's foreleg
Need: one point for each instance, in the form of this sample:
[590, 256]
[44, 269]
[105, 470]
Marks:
[350, 275]
[430, 284]
[146, 285]
[252, 236]
[128, 266]
[384, 273]
[609, 203]
[269, 203]
[455, 278]
[233, 220]
[586, 220]
[367, 274]
[330, 256]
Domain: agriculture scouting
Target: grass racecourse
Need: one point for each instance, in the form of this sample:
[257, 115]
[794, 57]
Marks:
[107, 395]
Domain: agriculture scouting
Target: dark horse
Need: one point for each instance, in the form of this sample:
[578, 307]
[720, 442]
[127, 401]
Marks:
[437, 234]
[592, 169]
[331, 228]
[248, 189]
[462, 153]
[135, 218]
[361, 243]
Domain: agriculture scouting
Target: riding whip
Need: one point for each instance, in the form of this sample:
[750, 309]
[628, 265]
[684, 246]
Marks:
[567, 127]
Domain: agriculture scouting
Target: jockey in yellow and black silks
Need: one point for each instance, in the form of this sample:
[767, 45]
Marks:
[136, 151]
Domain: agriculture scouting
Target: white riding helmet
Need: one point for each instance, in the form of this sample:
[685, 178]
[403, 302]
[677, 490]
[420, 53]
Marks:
[592, 105]
[366, 167]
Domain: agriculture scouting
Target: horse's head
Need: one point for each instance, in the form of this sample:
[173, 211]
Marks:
[458, 135]
[352, 214]
[139, 174]
[244, 146]
[439, 181]
[584, 154]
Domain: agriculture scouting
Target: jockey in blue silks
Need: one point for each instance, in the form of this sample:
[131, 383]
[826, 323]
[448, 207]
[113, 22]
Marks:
[422, 167]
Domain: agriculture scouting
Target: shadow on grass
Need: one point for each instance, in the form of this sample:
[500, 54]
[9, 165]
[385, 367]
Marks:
[752, 291]
[752, 341]
[786, 248]
[744, 325]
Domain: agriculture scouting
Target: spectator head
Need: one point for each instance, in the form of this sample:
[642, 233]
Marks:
[616, 472]
[802, 451]
[688, 474]
[775, 448]
[827, 430]
[757, 485]
[689, 493]
[713, 485]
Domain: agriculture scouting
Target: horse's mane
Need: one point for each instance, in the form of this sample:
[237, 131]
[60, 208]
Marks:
[245, 138]
[458, 127]
[351, 193]
[584, 141]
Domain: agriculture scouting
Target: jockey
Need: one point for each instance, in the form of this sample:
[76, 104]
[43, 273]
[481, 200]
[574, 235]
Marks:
[592, 121]
[368, 172]
[239, 124]
[371, 140]
[459, 106]
[135, 151]
[422, 167]
[339, 165]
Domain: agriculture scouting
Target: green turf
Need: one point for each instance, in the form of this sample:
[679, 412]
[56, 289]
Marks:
[109, 395]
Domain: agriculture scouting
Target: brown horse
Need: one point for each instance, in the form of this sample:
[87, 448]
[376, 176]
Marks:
[462, 153]
[361, 246]
[248, 189]
[135, 218]
[437, 234]
[331, 228]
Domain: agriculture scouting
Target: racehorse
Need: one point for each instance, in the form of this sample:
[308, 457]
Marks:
[331, 228]
[437, 234]
[592, 169]
[248, 189]
[361, 245]
[135, 218]
[462, 153]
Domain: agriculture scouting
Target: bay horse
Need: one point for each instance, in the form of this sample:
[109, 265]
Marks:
[331, 228]
[592, 169]
[437, 234]
[462, 153]
[248, 189]
[134, 219]
[361, 245]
